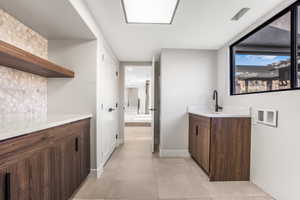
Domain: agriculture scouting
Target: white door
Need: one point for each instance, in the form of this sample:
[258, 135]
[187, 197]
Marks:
[152, 103]
[110, 106]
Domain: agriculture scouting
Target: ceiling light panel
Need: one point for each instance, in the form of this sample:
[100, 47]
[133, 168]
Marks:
[150, 11]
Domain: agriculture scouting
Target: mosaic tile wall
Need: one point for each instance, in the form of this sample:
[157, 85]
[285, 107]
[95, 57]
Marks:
[14, 32]
[21, 92]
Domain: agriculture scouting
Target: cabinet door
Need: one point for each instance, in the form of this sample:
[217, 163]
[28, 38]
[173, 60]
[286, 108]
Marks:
[84, 148]
[190, 134]
[230, 149]
[39, 168]
[192, 137]
[3, 184]
[27, 179]
[203, 144]
[15, 181]
[67, 167]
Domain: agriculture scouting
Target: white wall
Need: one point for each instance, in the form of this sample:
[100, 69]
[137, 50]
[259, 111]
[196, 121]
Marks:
[103, 48]
[275, 162]
[187, 78]
[76, 95]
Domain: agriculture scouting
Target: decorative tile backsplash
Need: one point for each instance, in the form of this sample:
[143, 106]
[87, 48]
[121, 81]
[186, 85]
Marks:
[14, 32]
[20, 92]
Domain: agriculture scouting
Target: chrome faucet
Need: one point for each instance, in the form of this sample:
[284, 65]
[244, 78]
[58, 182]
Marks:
[215, 97]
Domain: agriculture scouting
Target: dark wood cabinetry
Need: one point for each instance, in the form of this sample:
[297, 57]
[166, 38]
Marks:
[67, 160]
[199, 140]
[48, 165]
[85, 152]
[221, 146]
[28, 177]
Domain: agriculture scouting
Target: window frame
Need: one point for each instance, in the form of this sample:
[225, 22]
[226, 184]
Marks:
[293, 9]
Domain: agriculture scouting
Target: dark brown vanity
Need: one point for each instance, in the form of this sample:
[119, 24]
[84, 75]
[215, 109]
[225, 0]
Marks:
[221, 146]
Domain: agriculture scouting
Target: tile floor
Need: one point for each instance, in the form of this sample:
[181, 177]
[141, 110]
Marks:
[133, 173]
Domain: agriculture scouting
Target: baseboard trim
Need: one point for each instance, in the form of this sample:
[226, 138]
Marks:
[181, 153]
[96, 172]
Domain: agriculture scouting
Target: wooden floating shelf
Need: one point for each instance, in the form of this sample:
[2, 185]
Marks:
[16, 58]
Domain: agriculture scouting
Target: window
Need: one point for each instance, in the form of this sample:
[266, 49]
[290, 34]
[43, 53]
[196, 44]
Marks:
[265, 60]
[298, 46]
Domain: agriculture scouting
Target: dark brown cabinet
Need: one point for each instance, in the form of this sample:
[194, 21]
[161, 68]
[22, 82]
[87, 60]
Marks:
[192, 137]
[199, 140]
[48, 165]
[67, 160]
[15, 182]
[221, 146]
[27, 178]
[202, 143]
[85, 152]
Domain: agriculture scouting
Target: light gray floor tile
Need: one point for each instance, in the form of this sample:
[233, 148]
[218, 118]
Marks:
[134, 173]
[233, 189]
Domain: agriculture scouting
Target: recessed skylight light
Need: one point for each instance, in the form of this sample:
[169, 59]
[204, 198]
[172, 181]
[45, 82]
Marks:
[150, 11]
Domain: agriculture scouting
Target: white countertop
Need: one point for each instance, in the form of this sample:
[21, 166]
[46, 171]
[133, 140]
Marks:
[227, 113]
[219, 114]
[14, 126]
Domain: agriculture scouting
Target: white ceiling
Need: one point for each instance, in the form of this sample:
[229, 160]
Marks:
[198, 24]
[54, 19]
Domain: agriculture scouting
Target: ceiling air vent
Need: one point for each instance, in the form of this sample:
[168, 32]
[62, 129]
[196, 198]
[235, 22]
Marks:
[240, 14]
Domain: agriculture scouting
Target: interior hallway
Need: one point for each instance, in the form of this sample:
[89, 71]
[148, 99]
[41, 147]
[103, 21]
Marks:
[133, 173]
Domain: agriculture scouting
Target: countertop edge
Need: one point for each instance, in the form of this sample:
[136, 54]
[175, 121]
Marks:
[41, 127]
[220, 115]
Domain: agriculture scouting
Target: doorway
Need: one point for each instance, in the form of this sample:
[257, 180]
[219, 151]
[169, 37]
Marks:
[137, 96]
[137, 115]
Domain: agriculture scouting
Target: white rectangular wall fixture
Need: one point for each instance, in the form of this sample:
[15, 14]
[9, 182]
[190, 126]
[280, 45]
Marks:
[267, 117]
